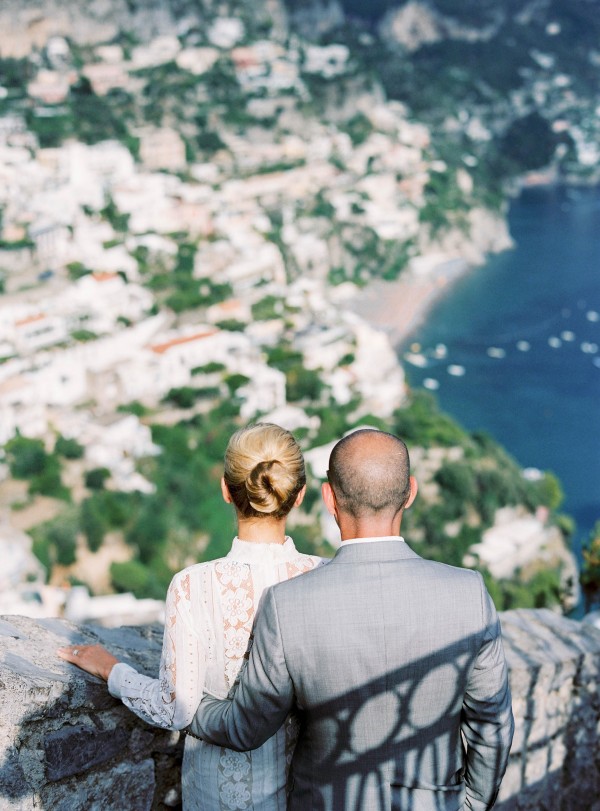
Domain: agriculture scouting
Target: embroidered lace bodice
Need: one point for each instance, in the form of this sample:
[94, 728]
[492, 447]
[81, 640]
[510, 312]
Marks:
[210, 609]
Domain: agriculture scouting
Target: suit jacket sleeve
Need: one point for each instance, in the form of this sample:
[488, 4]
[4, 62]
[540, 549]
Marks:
[487, 720]
[264, 696]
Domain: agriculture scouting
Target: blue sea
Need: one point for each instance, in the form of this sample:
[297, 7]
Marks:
[522, 336]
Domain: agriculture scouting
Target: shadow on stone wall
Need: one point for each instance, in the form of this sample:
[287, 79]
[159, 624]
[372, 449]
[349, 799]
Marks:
[88, 749]
[554, 666]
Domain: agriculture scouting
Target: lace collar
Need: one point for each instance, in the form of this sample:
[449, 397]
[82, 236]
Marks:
[252, 552]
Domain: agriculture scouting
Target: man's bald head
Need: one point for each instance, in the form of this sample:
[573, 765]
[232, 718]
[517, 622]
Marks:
[369, 472]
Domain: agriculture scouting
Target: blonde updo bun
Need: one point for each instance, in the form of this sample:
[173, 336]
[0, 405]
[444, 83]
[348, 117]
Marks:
[264, 470]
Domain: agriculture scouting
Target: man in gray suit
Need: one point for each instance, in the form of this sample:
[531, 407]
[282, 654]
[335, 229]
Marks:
[394, 663]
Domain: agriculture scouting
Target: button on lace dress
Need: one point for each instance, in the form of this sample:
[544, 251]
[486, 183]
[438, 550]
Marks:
[210, 609]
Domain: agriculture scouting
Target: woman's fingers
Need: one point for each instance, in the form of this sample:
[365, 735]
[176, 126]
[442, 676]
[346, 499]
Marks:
[93, 659]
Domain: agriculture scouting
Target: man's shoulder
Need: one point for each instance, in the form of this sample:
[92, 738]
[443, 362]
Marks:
[448, 570]
[305, 579]
[454, 576]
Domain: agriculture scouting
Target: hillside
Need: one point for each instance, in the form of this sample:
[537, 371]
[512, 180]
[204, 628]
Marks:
[192, 199]
[513, 84]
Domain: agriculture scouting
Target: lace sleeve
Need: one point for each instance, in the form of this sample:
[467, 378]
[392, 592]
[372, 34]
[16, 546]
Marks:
[171, 700]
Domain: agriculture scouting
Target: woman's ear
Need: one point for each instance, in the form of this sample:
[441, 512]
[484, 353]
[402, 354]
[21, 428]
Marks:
[300, 497]
[225, 492]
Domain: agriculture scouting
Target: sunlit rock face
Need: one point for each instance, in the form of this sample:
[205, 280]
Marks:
[65, 743]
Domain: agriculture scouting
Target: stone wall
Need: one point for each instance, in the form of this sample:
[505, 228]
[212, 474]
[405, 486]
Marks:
[555, 679]
[66, 745]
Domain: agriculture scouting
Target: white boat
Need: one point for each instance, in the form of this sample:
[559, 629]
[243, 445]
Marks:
[567, 335]
[589, 348]
[416, 358]
[440, 351]
[456, 370]
[554, 342]
[496, 352]
[431, 383]
[592, 315]
[523, 346]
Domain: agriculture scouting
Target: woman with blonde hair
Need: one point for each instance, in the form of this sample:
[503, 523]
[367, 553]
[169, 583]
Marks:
[210, 610]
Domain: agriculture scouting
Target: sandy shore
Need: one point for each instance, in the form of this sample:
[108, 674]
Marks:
[399, 307]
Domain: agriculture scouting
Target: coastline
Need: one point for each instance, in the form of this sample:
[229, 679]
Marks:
[400, 306]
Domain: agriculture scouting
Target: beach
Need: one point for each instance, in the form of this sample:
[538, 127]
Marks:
[400, 306]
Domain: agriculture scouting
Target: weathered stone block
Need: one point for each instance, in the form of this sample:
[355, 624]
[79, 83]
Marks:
[125, 787]
[75, 749]
[12, 777]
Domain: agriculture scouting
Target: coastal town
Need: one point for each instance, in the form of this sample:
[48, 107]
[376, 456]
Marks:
[149, 278]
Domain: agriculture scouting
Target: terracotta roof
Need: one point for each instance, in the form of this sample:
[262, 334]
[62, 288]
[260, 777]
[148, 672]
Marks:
[104, 275]
[160, 349]
[30, 319]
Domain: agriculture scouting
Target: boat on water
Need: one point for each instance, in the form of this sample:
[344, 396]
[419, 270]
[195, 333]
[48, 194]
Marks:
[589, 347]
[496, 352]
[416, 358]
[456, 370]
[431, 383]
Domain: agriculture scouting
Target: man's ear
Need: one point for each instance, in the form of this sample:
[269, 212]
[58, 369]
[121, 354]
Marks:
[225, 491]
[414, 489]
[329, 498]
[300, 497]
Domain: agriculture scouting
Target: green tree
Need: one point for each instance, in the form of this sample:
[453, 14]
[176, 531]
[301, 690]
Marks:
[236, 381]
[93, 523]
[303, 384]
[267, 308]
[148, 531]
[590, 573]
[26, 457]
[95, 478]
[131, 576]
[69, 448]
[457, 485]
[182, 396]
[56, 540]
[48, 482]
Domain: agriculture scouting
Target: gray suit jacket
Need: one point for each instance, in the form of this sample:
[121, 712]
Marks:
[396, 666]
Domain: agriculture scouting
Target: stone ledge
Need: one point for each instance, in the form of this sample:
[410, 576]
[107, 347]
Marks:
[62, 735]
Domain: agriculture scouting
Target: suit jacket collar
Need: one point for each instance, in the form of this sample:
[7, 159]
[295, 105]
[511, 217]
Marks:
[378, 551]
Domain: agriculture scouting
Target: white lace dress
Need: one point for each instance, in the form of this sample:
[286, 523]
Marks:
[209, 614]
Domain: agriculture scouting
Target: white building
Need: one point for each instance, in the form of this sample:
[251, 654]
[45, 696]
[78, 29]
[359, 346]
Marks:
[162, 149]
[264, 392]
[328, 60]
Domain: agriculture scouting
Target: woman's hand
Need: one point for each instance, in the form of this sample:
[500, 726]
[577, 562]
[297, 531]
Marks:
[92, 658]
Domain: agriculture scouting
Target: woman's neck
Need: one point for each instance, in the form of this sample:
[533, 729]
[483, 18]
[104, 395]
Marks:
[261, 530]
